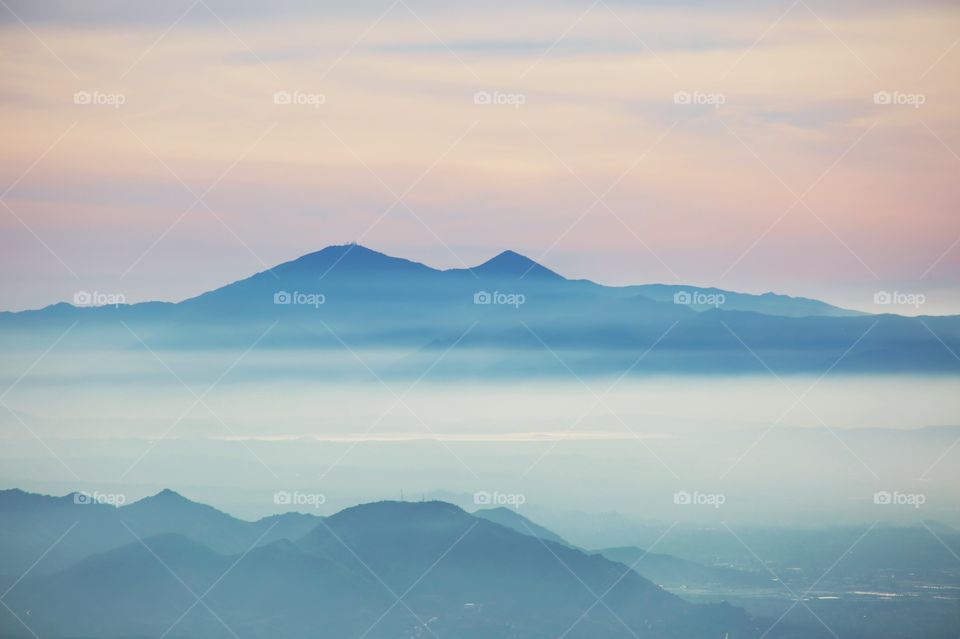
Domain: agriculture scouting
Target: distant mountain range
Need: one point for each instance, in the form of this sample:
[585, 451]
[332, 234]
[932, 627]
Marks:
[671, 573]
[677, 574]
[508, 316]
[512, 519]
[166, 566]
[33, 522]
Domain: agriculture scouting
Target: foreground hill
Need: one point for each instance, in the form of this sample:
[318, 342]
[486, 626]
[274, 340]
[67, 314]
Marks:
[31, 524]
[387, 569]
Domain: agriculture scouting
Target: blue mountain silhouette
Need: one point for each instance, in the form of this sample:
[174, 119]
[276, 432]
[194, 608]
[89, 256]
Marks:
[512, 306]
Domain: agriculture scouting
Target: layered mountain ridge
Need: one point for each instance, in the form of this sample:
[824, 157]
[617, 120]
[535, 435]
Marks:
[383, 569]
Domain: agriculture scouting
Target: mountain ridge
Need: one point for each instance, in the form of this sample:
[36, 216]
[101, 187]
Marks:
[458, 574]
[503, 323]
[506, 264]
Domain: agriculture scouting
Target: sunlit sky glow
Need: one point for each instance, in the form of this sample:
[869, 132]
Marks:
[105, 198]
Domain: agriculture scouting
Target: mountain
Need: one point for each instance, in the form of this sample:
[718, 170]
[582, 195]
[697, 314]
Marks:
[32, 523]
[888, 554]
[766, 303]
[509, 316]
[336, 268]
[674, 573]
[386, 569]
[510, 264]
[151, 588]
[514, 520]
[671, 573]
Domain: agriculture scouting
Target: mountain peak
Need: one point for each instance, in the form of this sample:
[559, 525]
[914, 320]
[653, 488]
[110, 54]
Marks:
[343, 249]
[348, 258]
[513, 264]
[166, 497]
[169, 503]
[167, 493]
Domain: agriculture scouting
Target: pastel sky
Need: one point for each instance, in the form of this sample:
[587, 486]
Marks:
[777, 167]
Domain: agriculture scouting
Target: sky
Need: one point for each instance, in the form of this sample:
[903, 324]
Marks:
[160, 150]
